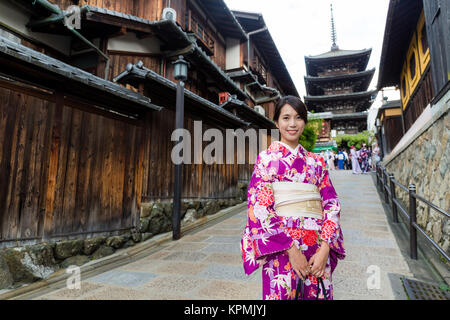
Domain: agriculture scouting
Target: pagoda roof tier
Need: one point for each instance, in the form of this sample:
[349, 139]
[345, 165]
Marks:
[361, 80]
[345, 96]
[360, 100]
[338, 116]
[338, 57]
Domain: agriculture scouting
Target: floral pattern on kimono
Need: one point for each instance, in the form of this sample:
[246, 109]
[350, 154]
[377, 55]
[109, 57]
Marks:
[267, 236]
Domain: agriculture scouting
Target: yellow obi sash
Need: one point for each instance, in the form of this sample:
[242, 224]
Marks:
[297, 199]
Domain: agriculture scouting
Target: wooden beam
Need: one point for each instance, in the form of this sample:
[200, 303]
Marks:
[56, 113]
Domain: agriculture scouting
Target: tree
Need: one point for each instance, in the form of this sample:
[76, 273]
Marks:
[310, 134]
[347, 140]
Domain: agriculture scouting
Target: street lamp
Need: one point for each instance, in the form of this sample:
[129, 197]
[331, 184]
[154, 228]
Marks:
[180, 69]
[180, 74]
[380, 137]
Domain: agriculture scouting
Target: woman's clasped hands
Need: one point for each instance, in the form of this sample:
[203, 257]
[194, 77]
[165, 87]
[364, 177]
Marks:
[316, 264]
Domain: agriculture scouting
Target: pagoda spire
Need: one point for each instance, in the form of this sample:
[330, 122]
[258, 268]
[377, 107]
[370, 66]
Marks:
[334, 46]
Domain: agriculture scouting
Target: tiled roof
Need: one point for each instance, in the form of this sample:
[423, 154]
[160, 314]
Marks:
[31, 57]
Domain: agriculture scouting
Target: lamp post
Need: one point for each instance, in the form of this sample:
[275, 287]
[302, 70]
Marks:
[180, 74]
[380, 138]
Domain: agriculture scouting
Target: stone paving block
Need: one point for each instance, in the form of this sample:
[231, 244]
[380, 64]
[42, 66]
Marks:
[196, 238]
[115, 293]
[228, 272]
[349, 269]
[393, 252]
[122, 278]
[358, 286]
[222, 248]
[225, 258]
[227, 232]
[226, 239]
[158, 255]
[185, 256]
[147, 265]
[71, 294]
[181, 268]
[228, 290]
[171, 284]
[187, 246]
[389, 264]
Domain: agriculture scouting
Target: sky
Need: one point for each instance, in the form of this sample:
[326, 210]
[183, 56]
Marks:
[303, 27]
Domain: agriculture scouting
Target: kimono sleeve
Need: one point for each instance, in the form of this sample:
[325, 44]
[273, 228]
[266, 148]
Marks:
[264, 233]
[331, 228]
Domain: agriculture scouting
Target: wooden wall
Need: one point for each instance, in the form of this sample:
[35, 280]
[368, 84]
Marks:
[200, 181]
[147, 9]
[65, 170]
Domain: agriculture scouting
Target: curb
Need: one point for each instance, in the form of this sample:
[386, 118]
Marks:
[122, 257]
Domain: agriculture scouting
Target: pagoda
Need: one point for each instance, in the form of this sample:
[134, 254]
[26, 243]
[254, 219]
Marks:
[337, 89]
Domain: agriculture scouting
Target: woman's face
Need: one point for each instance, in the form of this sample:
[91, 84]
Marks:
[290, 124]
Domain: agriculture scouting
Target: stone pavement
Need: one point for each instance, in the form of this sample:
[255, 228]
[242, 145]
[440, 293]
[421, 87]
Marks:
[206, 263]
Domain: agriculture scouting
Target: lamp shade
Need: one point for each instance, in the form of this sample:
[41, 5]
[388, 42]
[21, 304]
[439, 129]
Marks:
[180, 69]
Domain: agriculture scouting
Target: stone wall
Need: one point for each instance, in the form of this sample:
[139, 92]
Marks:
[26, 264]
[426, 163]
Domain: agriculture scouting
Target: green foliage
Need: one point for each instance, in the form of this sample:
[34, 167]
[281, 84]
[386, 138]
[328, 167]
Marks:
[347, 140]
[310, 134]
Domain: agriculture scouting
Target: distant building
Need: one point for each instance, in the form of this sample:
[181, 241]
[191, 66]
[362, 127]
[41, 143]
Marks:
[336, 85]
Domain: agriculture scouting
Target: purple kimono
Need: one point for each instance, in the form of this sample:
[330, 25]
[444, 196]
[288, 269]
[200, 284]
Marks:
[267, 236]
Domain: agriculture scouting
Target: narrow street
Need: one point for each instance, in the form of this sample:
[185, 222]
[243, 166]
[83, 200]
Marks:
[206, 264]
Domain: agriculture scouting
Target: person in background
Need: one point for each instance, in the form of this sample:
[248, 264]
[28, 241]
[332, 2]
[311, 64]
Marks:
[364, 154]
[375, 156]
[341, 159]
[331, 161]
[335, 159]
[347, 160]
[356, 169]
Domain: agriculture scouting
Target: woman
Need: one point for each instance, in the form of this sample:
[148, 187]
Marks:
[341, 159]
[331, 161]
[364, 154]
[376, 157]
[291, 244]
[356, 169]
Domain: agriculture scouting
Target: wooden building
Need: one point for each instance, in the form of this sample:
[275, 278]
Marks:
[336, 85]
[389, 120]
[86, 115]
[415, 58]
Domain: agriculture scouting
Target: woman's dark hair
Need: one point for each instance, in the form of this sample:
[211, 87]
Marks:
[295, 103]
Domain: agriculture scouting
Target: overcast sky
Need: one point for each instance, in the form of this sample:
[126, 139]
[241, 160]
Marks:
[302, 27]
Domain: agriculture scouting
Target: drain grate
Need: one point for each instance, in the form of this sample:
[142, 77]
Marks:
[418, 290]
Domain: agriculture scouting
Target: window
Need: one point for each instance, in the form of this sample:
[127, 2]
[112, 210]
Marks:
[412, 67]
[404, 86]
[194, 25]
[422, 41]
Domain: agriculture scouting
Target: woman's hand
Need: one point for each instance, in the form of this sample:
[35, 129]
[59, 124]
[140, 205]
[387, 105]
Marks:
[318, 261]
[298, 262]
